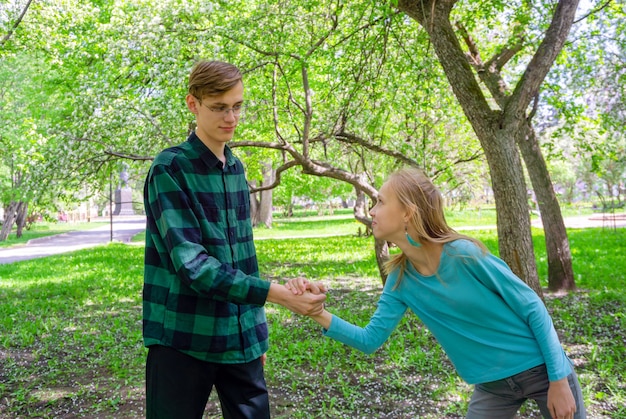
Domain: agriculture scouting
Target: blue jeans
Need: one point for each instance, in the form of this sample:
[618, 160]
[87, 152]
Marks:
[502, 399]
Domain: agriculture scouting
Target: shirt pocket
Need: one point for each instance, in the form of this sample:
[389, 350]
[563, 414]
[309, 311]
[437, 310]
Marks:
[212, 224]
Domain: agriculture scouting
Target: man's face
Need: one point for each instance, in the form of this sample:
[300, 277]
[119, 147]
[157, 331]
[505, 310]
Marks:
[217, 116]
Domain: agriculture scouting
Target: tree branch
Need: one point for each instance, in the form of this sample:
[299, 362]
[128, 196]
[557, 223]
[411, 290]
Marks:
[348, 138]
[279, 171]
[593, 11]
[308, 112]
[313, 167]
[490, 72]
[477, 154]
[107, 151]
[474, 54]
[542, 61]
[335, 21]
[261, 144]
[134, 157]
[434, 15]
[152, 122]
[16, 24]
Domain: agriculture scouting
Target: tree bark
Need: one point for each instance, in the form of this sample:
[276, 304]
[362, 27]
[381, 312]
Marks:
[265, 208]
[560, 270]
[381, 247]
[20, 218]
[254, 205]
[10, 214]
[382, 255]
[512, 213]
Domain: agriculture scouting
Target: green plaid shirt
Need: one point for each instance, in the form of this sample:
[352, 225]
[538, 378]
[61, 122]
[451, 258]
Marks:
[202, 293]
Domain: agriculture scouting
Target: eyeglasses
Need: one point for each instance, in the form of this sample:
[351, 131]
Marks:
[224, 111]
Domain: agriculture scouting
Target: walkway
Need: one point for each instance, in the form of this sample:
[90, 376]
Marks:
[124, 228]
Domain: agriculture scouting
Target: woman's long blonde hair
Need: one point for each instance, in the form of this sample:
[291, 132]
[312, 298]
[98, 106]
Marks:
[419, 196]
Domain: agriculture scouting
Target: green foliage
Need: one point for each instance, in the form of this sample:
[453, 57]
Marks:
[320, 190]
[586, 90]
[101, 81]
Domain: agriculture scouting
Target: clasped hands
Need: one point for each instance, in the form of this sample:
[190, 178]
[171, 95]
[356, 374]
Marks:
[300, 296]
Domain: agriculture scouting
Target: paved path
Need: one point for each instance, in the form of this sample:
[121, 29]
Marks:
[580, 221]
[589, 221]
[124, 228]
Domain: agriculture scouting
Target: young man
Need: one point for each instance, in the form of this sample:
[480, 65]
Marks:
[204, 321]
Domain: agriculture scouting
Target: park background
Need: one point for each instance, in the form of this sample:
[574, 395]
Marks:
[499, 102]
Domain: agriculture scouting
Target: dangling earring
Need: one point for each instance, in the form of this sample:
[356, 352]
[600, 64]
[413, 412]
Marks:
[410, 240]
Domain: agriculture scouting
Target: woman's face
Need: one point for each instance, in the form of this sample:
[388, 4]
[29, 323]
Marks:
[388, 216]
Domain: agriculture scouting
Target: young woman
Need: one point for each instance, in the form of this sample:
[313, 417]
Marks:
[493, 327]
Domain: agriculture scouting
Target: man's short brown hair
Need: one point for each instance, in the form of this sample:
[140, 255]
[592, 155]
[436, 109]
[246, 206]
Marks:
[212, 78]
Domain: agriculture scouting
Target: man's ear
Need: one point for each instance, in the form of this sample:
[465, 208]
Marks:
[192, 104]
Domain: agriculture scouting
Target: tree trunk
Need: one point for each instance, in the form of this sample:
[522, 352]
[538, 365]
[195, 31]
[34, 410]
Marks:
[381, 247]
[10, 214]
[254, 205]
[20, 218]
[265, 209]
[513, 218]
[514, 106]
[361, 210]
[560, 270]
[382, 255]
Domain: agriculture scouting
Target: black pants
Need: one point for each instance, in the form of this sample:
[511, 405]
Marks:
[178, 387]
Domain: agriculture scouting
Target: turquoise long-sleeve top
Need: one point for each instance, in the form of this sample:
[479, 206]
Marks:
[488, 321]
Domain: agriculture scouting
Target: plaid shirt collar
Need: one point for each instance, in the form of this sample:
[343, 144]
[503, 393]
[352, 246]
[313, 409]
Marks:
[207, 156]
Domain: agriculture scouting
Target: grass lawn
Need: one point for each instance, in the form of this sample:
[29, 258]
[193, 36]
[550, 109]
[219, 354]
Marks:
[70, 333]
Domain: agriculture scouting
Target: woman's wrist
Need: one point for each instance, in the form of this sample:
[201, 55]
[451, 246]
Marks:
[324, 318]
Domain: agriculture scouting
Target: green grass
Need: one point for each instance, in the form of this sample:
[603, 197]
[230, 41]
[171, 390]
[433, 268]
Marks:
[70, 333]
[313, 226]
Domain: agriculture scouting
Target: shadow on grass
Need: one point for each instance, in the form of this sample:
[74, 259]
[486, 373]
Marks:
[71, 335]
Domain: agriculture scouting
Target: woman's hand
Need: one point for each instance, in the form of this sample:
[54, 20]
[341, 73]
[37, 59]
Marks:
[561, 400]
[300, 285]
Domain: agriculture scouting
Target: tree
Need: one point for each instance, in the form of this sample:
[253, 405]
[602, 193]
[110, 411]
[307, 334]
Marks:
[20, 142]
[501, 129]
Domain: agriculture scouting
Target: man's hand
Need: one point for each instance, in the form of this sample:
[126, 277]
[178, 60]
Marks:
[307, 303]
[561, 400]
